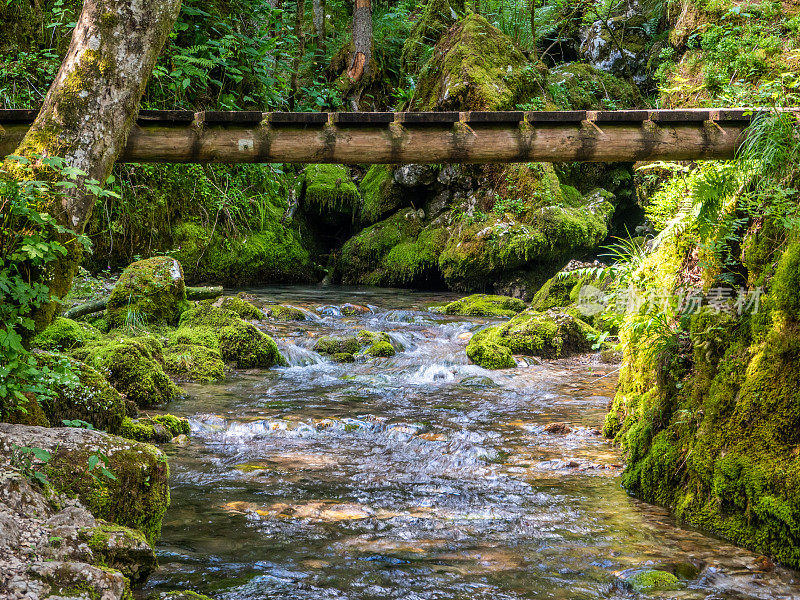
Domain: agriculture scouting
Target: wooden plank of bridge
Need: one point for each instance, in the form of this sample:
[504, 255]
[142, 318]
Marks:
[553, 136]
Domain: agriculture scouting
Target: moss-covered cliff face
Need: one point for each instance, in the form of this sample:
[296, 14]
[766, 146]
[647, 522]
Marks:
[711, 421]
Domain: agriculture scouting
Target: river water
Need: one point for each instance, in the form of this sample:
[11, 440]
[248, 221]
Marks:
[418, 476]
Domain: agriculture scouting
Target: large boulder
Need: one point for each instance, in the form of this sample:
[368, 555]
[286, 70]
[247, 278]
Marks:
[65, 334]
[51, 544]
[237, 341]
[550, 334]
[135, 497]
[134, 367]
[485, 305]
[90, 397]
[476, 67]
[150, 292]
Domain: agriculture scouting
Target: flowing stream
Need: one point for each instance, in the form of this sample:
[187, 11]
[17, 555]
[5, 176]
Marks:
[418, 476]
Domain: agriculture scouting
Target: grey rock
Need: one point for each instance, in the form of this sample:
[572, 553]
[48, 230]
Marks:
[415, 175]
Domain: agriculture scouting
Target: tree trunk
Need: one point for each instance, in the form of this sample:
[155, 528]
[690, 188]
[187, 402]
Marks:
[301, 48]
[318, 7]
[91, 107]
[362, 41]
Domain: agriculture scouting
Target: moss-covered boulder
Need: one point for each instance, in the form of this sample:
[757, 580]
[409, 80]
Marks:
[435, 18]
[485, 305]
[329, 344]
[550, 334]
[653, 580]
[330, 193]
[580, 86]
[90, 397]
[150, 291]
[158, 428]
[138, 494]
[381, 194]
[238, 341]
[561, 290]
[65, 334]
[402, 250]
[279, 312]
[133, 366]
[376, 344]
[481, 253]
[476, 67]
[241, 307]
[194, 362]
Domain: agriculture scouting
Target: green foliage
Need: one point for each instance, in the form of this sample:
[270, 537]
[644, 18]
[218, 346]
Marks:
[29, 460]
[30, 240]
[483, 305]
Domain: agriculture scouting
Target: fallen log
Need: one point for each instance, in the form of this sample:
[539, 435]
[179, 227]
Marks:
[192, 293]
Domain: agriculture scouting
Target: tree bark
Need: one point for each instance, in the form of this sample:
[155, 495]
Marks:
[90, 108]
[362, 41]
[320, 26]
[301, 48]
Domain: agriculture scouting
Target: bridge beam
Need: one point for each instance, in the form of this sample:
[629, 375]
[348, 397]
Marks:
[396, 138]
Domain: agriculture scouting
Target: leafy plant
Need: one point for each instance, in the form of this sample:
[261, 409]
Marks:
[29, 460]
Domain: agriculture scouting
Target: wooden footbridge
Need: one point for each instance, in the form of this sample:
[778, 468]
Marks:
[422, 137]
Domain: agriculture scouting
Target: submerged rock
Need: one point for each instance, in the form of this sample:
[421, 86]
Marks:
[280, 312]
[653, 580]
[346, 348]
[150, 291]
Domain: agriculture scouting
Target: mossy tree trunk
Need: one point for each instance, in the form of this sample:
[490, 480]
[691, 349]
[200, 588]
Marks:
[90, 109]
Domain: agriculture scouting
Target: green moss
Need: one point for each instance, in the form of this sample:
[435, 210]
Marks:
[247, 346]
[711, 427]
[579, 86]
[485, 305]
[477, 253]
[436, 18]
[284, 313]
[274, 254]
[381, 194]
[159, 428]
[549, 334]
[205, 314]
[329, 189]
[27, 411]
[178, 595]
[475, 67]
[395, 251]
[194, 362]
[92, 400]
[342, 357]
[560, 291]
[64, 334]
[133, 367]
[653, 581]
[786, 284]
[149, 291]
[486, 352]
[136, 498]
[243, 308]
[381, 349]
[120, 548]
[194, 336]
[336, 345]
